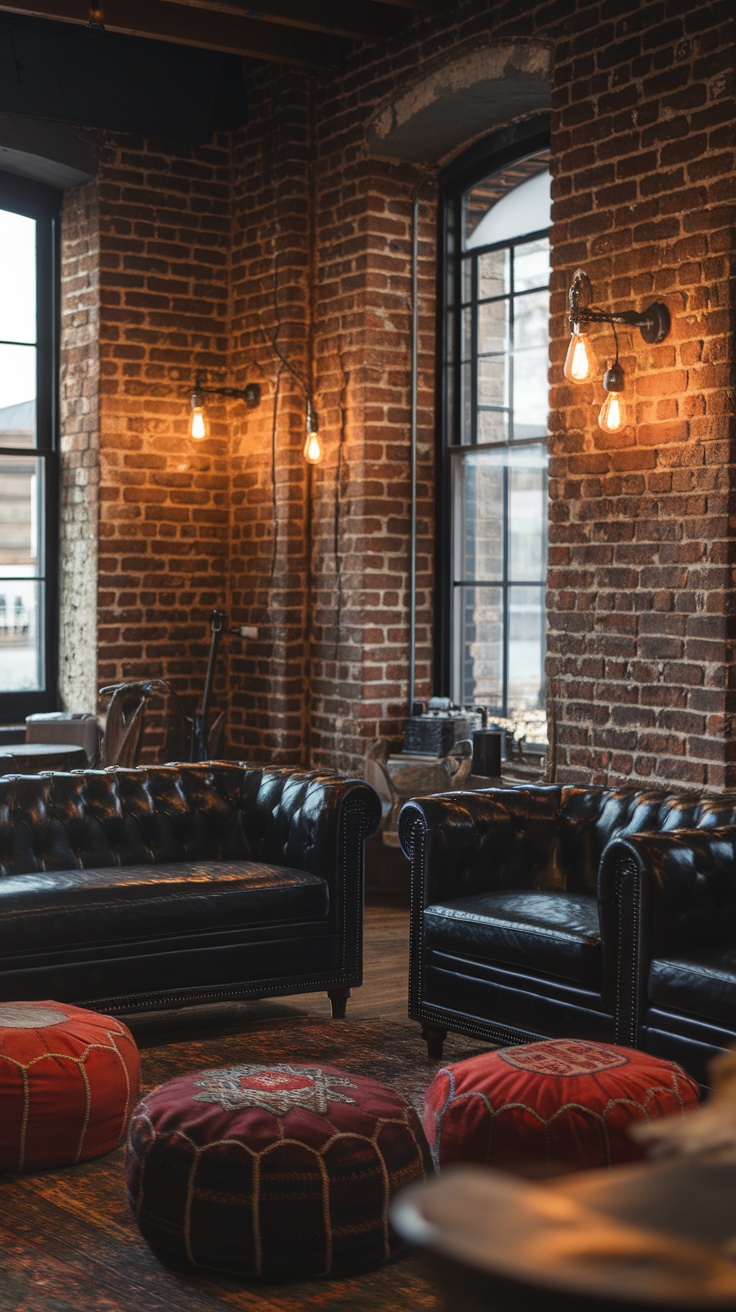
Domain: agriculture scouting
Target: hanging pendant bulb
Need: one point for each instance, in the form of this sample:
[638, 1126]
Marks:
[198, 421]
[312, 447]
[613, 414]
[579, 358]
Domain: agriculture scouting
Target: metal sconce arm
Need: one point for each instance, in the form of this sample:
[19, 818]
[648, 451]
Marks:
[653, 322]
[251, 393]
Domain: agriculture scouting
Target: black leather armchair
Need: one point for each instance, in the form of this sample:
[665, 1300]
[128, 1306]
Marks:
[134, 889]
[672, 897]
[525, 922]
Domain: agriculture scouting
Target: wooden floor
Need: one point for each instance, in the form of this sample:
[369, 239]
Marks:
[383, 993]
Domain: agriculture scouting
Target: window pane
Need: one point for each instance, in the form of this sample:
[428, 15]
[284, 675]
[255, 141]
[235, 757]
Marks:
[466, 334]
[17, 396]
[466, 403]
[526, 649]
[17, 278]
[493, 327]
[21, 591]
[508, 204]
[478, 643]
[528, 515]
[478, 517]
[530, 393]
[494, 273]
[467, 280]
[531, 265]
[493, 386]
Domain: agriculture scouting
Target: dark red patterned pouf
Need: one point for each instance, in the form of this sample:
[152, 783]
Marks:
[68, 1080]
[549, 1107]
[282, 1171]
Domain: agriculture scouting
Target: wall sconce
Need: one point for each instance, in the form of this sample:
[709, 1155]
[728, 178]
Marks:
[251, 394]
[653, 324]
[312, 447]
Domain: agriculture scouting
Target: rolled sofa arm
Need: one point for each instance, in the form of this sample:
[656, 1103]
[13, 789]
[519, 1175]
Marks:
[658, 892]
[306, 818]
[467, 842]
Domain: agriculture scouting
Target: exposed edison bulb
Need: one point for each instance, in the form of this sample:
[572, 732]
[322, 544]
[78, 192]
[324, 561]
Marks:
[613, 413]
[198, 421]
[312, 447]
[579, 358]
[612, 417]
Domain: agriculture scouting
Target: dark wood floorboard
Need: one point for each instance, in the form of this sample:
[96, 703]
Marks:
[64, 1248]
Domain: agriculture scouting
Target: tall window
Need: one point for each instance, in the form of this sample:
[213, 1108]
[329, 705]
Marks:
[28, 472]
[496, 317]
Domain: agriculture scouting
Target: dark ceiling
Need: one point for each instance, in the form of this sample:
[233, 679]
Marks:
[306, 33]
[172, 68]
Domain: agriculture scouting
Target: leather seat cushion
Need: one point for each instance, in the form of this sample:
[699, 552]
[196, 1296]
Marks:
[556, 933]
[700, 984]
[67, 908]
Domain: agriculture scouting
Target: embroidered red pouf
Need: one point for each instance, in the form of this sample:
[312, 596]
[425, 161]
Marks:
[68, 1081]
[282, 1171]
[549, 1107]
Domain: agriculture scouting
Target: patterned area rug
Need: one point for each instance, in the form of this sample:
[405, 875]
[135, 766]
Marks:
[68, 1242]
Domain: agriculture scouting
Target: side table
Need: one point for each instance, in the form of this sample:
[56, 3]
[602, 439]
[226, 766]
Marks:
[34, 758]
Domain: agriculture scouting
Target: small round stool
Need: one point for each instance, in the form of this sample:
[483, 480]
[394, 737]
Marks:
[68, 1080]
[283, 1171]
[550, 1107]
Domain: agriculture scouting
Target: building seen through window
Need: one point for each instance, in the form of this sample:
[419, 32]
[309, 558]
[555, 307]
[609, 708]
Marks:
[26, 451]
[496, 352]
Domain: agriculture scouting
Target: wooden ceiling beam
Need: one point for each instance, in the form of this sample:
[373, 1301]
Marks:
[182, 24]
[360, 20]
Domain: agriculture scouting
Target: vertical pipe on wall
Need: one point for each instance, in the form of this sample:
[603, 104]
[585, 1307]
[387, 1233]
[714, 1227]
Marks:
[414, 386]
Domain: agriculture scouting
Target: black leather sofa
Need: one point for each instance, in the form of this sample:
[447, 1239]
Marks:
[607, 914]
[130, 890]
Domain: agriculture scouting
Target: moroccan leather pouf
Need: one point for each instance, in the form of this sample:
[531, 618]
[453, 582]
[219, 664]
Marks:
[282, 1171]
[68, 1081]
[549, 1107]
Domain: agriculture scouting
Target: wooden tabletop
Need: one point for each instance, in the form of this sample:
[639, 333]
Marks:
[32, 758]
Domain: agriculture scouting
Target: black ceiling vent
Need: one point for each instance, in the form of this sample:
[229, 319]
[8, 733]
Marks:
[71, 74]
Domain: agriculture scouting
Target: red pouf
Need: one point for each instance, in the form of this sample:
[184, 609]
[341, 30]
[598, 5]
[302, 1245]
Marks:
[282, 1171]
[550, 1107]
[68, 1080]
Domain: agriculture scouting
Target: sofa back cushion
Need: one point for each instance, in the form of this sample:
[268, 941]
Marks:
[122, 817]
[590, 817]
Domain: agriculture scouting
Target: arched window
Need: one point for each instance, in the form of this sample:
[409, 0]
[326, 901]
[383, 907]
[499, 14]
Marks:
[493, 512]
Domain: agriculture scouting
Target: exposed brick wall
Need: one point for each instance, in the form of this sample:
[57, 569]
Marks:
[640, 547]
[79, 423]
[192, 245]
[164, 237]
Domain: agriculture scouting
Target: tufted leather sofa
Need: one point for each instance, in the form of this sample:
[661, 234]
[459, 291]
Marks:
[134, 889]
[588, 912]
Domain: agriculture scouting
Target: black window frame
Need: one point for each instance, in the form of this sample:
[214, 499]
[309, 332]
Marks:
[37, 201]
[491, 154]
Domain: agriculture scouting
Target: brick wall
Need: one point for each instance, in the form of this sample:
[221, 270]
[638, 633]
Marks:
[640, 547]
[79, 456]
[283, 256]
[163, 270]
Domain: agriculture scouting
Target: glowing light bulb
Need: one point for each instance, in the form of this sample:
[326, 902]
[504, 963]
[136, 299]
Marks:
[612, 417]
[613, 413]
[198, 421]
[313, 449]
[578, 361]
